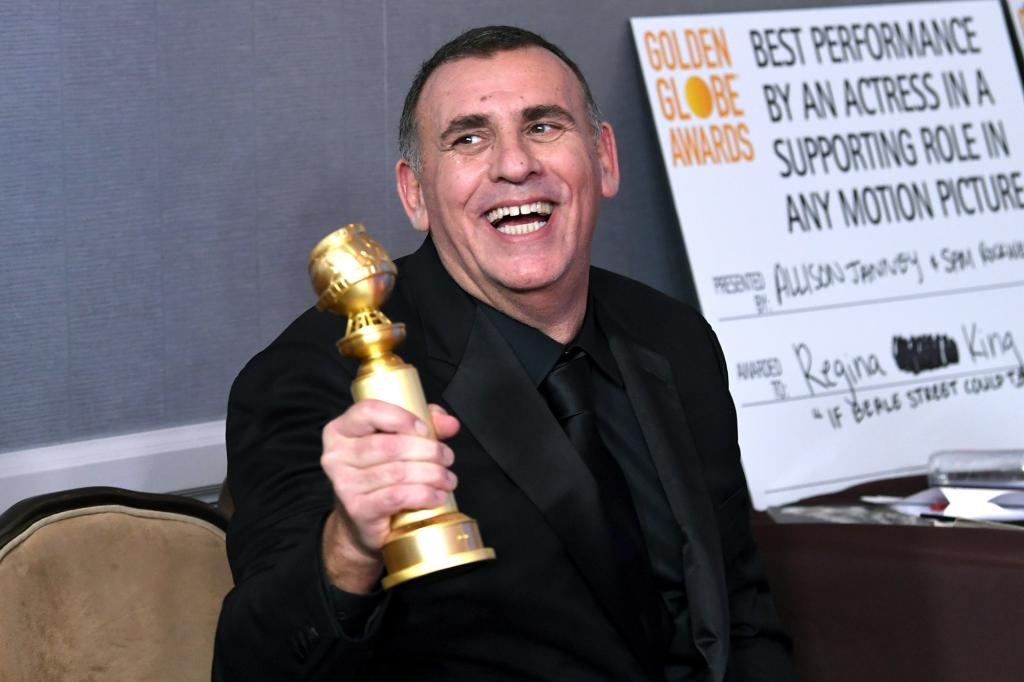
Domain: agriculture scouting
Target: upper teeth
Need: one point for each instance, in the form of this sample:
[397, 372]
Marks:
[542, 207]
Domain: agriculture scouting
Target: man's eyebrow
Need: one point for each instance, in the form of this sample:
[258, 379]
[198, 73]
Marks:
[547, 111]
[464, 123]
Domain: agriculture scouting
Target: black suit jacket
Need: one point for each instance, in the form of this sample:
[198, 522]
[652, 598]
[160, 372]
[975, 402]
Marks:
[546, 608]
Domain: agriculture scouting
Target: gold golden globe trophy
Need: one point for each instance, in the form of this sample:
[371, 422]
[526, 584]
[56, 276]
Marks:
[353, 275]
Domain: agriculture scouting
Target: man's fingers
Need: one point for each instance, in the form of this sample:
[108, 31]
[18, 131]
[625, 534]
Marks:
[363, 481]
[445, 425]
[372, 416]
[386, 502]
[370, 451]
[381, 460]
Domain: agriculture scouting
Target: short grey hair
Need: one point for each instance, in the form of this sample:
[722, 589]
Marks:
[480, 42]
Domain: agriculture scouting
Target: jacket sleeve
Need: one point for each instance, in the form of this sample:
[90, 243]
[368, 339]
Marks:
[759, 648]
[279, 622]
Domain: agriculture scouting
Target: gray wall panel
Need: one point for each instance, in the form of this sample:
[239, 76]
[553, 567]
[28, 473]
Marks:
[110, 178]
[207, 193]
[320, 121]
[183, 25]
[166, 167]
[340, 18]
[33, 289]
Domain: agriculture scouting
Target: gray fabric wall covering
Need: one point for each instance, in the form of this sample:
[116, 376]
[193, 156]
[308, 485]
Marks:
[165, 167]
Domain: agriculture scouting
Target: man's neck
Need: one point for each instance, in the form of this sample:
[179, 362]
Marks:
[556, 311]
[560, 321]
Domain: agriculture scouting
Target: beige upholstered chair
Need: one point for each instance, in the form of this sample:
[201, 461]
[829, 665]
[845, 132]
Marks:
[107, 584]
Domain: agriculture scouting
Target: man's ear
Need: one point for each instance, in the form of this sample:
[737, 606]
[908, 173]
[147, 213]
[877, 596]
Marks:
[608, 157]
[410, 191]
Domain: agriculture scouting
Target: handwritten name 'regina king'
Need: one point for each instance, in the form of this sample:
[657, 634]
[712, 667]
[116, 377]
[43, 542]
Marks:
[850, 371]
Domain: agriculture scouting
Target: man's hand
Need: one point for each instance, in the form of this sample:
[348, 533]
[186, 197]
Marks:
[381, 460]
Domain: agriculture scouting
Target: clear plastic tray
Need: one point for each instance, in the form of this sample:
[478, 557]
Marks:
[977, 468]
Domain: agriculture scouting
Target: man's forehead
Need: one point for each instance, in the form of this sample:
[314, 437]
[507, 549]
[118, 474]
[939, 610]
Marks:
[523, 73]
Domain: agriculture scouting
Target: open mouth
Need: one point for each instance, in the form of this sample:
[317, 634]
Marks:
[522, 219]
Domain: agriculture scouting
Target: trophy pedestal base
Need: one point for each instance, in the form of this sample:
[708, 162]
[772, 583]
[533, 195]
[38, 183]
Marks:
[445, 541]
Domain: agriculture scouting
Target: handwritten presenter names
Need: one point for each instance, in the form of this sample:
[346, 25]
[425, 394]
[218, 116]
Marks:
[798, 283]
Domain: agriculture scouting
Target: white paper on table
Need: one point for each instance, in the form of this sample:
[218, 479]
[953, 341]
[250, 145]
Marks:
[989, 504]
[983, 504]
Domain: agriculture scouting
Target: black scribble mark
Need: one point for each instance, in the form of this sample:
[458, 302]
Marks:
[920, 353]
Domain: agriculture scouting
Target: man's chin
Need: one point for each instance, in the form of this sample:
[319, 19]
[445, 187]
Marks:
[529, 282]
[534, 284]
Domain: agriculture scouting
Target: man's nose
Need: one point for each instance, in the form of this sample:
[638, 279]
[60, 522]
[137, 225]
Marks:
[514, 160]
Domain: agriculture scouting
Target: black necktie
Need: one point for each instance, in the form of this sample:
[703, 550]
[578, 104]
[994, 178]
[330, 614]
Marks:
[569, 391]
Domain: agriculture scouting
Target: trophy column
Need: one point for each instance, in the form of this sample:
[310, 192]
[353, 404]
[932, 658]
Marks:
[353, 276]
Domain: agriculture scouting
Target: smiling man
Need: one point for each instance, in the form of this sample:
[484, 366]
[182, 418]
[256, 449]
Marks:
[510, 168]
[584, 417]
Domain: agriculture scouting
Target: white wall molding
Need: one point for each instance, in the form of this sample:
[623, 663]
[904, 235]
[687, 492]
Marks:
[165, 460]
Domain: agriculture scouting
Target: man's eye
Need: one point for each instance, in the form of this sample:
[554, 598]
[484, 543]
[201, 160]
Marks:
[545, 131]
[466, 140]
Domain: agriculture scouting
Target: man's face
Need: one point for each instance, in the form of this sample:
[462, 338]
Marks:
[511, 175]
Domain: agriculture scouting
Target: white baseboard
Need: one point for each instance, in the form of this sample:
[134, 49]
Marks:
[166, 460]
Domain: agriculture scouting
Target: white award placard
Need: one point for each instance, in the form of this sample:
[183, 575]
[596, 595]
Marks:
[850, 187]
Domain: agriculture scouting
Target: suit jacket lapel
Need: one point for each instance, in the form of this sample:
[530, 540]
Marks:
[494, 399]
[514, 426]
[650, 385]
